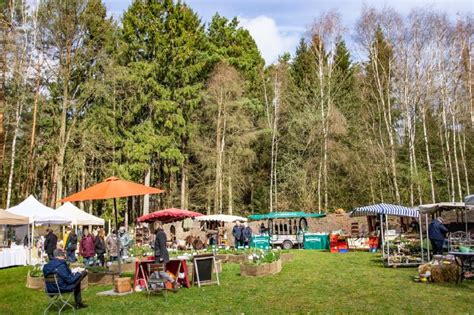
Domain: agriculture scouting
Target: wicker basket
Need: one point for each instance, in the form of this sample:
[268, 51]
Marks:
[34, 282]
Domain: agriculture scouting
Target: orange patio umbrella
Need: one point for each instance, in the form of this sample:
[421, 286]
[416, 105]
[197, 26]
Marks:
[113, 187]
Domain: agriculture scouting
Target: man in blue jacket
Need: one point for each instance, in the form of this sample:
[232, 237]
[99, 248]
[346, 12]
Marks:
[237, 233]
[437, 233]
[67, 281]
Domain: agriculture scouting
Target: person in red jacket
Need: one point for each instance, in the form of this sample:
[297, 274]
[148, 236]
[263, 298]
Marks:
[87, 247]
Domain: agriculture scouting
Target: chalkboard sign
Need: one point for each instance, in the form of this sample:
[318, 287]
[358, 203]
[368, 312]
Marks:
[203, 266]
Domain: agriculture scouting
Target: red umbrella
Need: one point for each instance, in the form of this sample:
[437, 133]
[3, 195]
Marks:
[168, 215]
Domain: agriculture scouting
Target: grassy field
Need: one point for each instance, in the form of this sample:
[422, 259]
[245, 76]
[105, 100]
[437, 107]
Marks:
[314, 282]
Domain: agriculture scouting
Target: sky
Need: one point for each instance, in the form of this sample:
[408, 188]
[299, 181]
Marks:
[278, 25]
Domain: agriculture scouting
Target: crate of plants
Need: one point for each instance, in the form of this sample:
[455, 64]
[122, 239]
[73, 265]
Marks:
[100, 275]
[261, 263]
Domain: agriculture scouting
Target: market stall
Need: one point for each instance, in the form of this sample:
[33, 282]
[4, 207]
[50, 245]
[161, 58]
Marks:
[38, 214]
[396, 250]
[215, 227]
[457, 238]
[14, 255]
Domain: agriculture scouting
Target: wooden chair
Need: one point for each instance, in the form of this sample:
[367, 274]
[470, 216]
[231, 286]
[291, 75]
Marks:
[58, 299]
[156, 283]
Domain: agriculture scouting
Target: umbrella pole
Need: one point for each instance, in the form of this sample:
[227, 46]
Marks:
[118, 238]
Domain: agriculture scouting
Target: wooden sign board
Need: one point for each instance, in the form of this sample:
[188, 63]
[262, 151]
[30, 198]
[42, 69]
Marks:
[203, 266]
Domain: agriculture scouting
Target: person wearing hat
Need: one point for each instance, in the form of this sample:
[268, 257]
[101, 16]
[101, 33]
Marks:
[437, 234]
[67, 281]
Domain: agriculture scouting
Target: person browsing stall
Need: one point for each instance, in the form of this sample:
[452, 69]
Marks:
[437, 233]
[87, 247]
[50, 243]
[71, 246]
[67, 281]
[161, 253]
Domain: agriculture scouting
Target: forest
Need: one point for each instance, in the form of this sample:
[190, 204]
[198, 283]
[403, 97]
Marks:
[160, 97]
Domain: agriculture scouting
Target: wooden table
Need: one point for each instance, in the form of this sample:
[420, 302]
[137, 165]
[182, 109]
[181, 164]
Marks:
[173, 266]
[465, 262]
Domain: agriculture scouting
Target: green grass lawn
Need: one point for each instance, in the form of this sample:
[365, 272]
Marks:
[313, 282]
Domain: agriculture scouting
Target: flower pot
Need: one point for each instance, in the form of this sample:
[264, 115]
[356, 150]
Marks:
[260, 270]
[34, 282]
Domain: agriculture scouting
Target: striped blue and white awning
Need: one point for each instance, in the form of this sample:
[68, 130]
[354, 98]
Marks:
[384, 208]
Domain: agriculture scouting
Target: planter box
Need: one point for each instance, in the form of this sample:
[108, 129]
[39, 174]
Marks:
[286, 257]
[223, 257]
[101, 278]
[85, 283]
[128, 267]
[237, 259]
[260, 270]
[34, 282]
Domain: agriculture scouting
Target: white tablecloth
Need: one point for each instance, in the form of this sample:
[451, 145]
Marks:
[17, 256]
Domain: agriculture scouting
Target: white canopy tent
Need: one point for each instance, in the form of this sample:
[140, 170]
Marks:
[38, 213]
[79, 217]
[221, 218]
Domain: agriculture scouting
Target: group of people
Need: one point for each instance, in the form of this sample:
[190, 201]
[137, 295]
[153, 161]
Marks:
[242, 234]
[92, 246]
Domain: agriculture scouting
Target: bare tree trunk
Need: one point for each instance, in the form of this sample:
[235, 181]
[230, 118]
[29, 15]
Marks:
[146, 198]
[456, 163]
[231, 199]
[462, 146]
[428, 157]
[19, 110]
[184, 204]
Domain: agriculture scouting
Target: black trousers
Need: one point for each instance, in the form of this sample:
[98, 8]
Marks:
[77, 289]
[437, 246]
[50, 256]
[101, 259]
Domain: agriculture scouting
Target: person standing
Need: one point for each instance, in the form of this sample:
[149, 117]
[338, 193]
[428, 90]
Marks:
[237, 233]
[246, 235]
[66, 236]
[437, 234]
[87, 247]
[112, 247]
[50, 243]
[71, 246]
[161, 253]
[100, 246]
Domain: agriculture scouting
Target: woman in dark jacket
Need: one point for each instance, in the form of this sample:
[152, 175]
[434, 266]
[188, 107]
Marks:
[100, 246]
[71, 246]
[161, 254]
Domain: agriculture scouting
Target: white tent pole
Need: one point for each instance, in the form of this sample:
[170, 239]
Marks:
[421, 238]
[387, 242]
[32, 240]
[427, 237]
[383, 236]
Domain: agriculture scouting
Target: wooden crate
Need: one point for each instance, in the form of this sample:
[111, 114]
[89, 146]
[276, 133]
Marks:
[122, 285]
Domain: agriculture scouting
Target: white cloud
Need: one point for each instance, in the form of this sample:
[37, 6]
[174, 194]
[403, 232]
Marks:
[270, 38]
